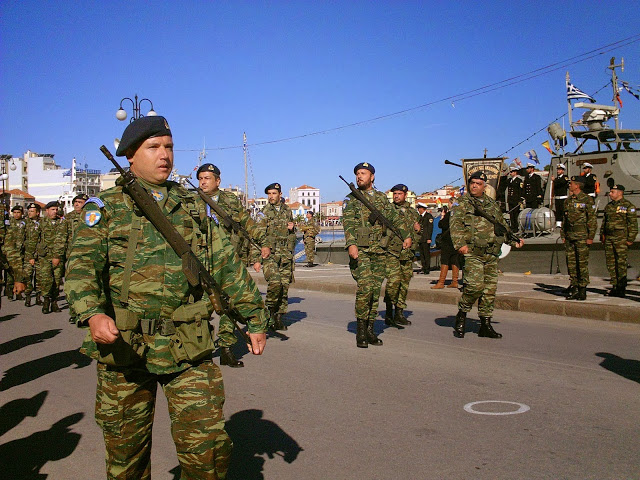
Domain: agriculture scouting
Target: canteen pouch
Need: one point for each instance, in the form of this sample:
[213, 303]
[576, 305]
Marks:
[129, 347]
[362, 236]
[192, 340]
[385, 239]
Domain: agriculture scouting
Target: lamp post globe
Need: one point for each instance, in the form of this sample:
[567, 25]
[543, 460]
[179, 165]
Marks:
[121, 114]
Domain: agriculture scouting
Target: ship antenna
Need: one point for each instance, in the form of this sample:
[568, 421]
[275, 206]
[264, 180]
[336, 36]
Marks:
[614, 81]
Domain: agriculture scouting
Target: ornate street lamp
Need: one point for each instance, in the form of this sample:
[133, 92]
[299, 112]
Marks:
[121, 114]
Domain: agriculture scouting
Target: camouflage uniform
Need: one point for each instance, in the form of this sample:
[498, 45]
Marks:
[73, 219]
[278, 267]
[49, 244]
[480, 271]
[399, 262]
[14, 252]
[620, 225]
[578, 226]
[368, 270]
[32, 232]
[309, 231]
[230, 203]
[122, 266]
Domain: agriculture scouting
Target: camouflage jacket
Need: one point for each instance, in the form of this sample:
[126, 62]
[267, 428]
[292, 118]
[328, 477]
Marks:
[106, 276]
[370, 238]
[309, 230]
[409, 217]
[73, 219]
[579, 222]
[620, 220]
[230, 204]
[31, 236]
[477, 233]
[280, 239]
[51, 240]
[14, 247]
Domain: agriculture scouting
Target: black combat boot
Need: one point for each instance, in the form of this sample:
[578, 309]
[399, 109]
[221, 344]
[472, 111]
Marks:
[272, 319]
[228, 358]
[371, 337]
[614, 292]
[279, 324]
[38, 299]
[582, 293]
[486, 330]
[27, 300]
[622, 291]
[54, 306]
[389, 318]
[458, 329]
[573, 293]
[400, 318]
[361, 333]
[45, 305]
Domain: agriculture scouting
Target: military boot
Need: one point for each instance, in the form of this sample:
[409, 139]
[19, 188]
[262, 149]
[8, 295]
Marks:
[582, 293]
[389, 318]
[371, 337]
[622, 291]
[228, 358]
[458, 329]
[614, 292]
[572, 294]
[54, 306]
[38, 299]
[272, 319]
[361, 333]
[27, 300]
[400, 318]
[279, 324]
[19, 297]
[486, 330]
[45, 305]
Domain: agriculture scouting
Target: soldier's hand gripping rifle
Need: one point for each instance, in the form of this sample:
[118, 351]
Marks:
[498, 228]
[194, 270]
[375, 215]
[229, 222]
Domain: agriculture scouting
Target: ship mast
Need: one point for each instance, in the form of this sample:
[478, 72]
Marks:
[614, 82]
[246, 175]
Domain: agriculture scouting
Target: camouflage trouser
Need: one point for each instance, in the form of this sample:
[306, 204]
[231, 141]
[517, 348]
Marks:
[50, 277]
[125, 405]
[368, 270]
[398, 273]
[310, 249]
[226, 332]
[480, 283]
[577, 262]
[31, 277]
[615, 251]
[278, 272]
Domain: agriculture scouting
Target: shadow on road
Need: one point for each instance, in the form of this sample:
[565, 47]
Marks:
[472, 325]
[550, 289]
[34, 369]
[625, 367]
[293, 316]
[13, 412]
[295, 300]
[5, 318]
[20, 342]
[253, 438]
[24, 458]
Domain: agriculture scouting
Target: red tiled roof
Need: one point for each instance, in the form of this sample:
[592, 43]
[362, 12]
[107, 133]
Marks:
[307, 187]
[16, 191]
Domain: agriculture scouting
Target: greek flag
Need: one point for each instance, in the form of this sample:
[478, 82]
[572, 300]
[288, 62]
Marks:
[574, 93]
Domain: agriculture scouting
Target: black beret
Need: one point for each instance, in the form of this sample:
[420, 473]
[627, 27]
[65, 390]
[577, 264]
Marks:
[578, 179]
[81, 196]
[617, 187]
[52, 204]
[478, 175]
[18, 208]
[208, 167]
[141, 129]
[33, 205]
[273, 186]
[399, 187]
[365, 166]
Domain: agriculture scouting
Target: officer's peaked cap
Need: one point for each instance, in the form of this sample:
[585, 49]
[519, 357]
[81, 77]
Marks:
[587, 165]
[141, 129]
[562, 166]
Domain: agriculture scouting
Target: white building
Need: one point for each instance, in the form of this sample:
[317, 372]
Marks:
[306, 195]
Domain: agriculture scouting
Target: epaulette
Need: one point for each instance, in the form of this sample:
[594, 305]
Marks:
[95, 200]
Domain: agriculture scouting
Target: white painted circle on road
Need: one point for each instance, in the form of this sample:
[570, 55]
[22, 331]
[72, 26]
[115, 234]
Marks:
[469, 407]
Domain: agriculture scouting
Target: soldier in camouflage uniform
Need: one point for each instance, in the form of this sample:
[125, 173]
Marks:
[147, 324]
[310, 229]
[14, 249]
[73, 219]
[277, 219]
[367, 245]
[480, 242]
[32, 231]
[50, 246]
[209, 181]
[578, 230]
[617, 233]
[399, 261]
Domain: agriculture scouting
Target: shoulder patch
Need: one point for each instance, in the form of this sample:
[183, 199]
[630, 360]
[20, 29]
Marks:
[95, 200]
[92, 218]
[431, 220]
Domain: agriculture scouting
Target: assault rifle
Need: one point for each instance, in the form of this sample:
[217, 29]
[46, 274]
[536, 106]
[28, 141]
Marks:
[375, 215]
[498, 228]
[229, 222]
[194, 270]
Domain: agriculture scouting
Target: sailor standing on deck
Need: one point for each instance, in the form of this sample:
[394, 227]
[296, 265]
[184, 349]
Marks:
[591, 185]
[532, 187]
[515, 194]
[560, 190]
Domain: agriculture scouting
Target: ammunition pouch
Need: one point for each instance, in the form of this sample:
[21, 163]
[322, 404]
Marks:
[42, 250]
[384, 241]
[362, 237]
[192, 339]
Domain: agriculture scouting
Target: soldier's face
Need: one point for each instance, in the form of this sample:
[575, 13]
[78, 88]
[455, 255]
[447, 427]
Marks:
[52, 212]
[33, 213]
[476, 187]
[615, 195]
[209, 182]
[574, 187]
[399, 196]
[77, 205]
[17, 214]
[364, 179]
[153, 161]
[273, 196]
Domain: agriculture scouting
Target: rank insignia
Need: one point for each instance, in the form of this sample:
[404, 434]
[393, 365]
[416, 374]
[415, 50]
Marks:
[92, 218]
[157, 196]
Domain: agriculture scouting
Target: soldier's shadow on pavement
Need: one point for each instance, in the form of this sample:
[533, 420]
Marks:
[34, 369]
[625, 367]
[6, 318]
[12, 413]
[471, 325]
[253, 439]
[293, 316]
[21, 342]
[25, 457]
[295, 300]
[556, 290]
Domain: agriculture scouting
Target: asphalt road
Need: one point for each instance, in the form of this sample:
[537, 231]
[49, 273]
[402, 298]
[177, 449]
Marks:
[316, 407]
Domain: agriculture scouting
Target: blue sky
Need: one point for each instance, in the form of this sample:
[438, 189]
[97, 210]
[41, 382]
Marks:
[280, 69]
